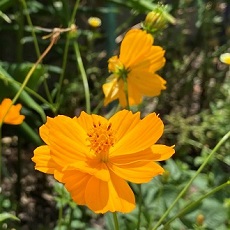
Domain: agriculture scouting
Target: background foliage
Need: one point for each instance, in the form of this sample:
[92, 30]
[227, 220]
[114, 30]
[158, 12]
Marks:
[195, 107]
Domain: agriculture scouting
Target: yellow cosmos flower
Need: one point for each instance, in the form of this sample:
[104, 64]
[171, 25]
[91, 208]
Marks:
[137, 63]
[225, 58]
[94, 157]
[10, 116]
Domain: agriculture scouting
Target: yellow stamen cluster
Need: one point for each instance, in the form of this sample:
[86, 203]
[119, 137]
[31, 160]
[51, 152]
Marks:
[101, 138]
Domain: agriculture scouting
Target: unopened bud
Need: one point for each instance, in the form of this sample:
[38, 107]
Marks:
[94, 22]
[200, 220]
[225, 58]
[157, 19]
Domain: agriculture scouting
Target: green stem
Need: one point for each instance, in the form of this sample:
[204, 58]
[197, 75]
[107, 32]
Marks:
[1, 197]
[48, 92]
[61, 79]
[70, 219]
[37, 50]
[60, 217]
[27, 78]
[84, 76]
[139, 206]
[64, 63]
[192, 204]
[29, 21]
[223, 139]
[60, 214]
[32, 92]
[124, 78]
[115, 220]
[20, 31]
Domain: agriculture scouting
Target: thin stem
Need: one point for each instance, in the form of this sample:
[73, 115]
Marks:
[1, 197]
[115, 220]
[20, 30]
[70, 219]
[31, 92]
[60, 214]
[29, 21]
[60, 211]
[139, 206]
[66, 49]
[223, 139]
[37, 50]
[47, 92]
[192, 204]
[74, 11]
[83, 75]
[124, 77]
[61, 79]
[27, 78]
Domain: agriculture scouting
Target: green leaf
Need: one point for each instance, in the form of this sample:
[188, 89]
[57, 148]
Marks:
[5, 216]
[30, 134]
[19, 71]
[4, 4]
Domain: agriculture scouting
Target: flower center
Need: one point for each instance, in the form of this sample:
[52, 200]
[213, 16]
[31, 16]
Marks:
[116, 66]
[101, 138]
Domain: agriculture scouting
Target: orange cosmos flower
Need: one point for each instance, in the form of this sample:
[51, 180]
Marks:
[94, 157]
[137, 63]
[10, 116]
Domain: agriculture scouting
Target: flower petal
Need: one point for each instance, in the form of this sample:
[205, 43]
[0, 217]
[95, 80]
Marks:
[124, 121]
[162, 152]
[92, 167]
[44, 131]
[156, 57]
[116, 195]
[87, 121]
[141, 137]
[111, 89]
[43, 161]
[135, 96]
[146, 83]
[68, 141]
[135, 46]
[146, 155]
[75, 182]
[137, 172]
[13, 116]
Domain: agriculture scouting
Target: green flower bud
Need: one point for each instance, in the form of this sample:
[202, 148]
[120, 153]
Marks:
[157, 19]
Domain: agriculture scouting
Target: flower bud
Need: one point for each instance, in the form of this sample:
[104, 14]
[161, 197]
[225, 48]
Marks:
[200, 220]
[225, 58]
[94, 21]
[157, 20]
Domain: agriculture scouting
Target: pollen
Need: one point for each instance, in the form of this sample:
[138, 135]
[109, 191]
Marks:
[101, 138]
